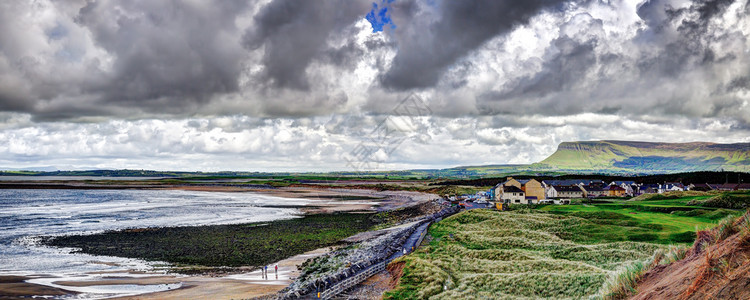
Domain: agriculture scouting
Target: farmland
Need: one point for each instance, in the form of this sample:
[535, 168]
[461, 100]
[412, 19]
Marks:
[549, 252]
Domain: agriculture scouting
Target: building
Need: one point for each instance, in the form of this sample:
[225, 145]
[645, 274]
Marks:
[630, 187]
[551, 192]
[531, 187]
[671, 187]
[568, 192]
[534, 188]
[649, 189]
[513, 194]
[615, 191]
[593, 191]
[728, 187]
[704, 187]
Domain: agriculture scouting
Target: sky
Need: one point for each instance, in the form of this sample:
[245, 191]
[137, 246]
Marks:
[360, 85]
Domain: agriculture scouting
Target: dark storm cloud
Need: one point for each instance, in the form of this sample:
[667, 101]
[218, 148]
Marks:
[293, 33]
[692, 43]
[304, 58]
[66, 59]
[560, 73]
[166, 52]
[426, 49]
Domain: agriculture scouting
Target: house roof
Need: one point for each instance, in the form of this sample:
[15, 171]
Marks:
[593, 188]
[743, 186]
[623, 182]
[568, 189]
[615, 188]
[729, 186]
[512, 189]
[571, 182]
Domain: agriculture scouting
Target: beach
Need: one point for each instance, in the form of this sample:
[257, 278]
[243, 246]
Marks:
[116, 277]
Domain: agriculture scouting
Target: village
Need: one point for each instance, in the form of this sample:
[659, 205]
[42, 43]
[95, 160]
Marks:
[532, 191]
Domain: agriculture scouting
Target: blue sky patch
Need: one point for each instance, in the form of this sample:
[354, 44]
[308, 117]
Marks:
[379, 16]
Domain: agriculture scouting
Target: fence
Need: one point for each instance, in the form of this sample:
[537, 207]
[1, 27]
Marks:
[354, 280]
[368, 272]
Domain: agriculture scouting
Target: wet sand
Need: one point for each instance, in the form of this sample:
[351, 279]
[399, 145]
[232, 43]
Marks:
[15, 287]
[330, 198]
[238, 286]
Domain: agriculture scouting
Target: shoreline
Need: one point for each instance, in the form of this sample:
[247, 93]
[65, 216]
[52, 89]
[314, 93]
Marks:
[239, 285]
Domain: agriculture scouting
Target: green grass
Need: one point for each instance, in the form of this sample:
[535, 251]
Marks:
[526, 253]
[521, 254]
[665, 227]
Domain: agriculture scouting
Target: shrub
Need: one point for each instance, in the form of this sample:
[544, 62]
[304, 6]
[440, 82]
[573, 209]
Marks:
[643, 237]
[683, 237]
[622, 284]
[725, 229]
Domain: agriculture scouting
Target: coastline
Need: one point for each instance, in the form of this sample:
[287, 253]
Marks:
[242, 285]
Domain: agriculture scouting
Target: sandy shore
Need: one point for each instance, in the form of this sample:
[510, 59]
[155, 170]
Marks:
[238, 286]
[15, 287]
[329, 199]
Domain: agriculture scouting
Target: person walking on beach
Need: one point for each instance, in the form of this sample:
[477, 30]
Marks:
[276, 271]
[266, 267]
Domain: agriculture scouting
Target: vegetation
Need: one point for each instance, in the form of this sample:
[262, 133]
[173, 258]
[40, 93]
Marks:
[734, 200]
[254, 244]
[623, 156]
[640, 222]
[595, 249]
[522, 253]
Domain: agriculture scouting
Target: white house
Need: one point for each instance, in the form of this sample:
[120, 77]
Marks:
[512, 194]
[671, 187]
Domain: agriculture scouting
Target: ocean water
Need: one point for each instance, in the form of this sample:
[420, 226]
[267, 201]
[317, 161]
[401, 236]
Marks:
[27, 214]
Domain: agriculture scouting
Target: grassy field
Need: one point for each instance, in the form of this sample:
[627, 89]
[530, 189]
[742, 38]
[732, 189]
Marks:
[638, 223]
[553, 252]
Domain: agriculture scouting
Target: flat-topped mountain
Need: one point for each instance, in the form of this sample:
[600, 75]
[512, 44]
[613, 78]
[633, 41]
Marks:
[646, 157]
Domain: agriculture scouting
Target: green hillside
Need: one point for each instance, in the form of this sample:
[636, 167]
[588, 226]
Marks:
[643, 157]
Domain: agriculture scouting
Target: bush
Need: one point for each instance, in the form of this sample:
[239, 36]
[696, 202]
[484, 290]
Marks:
[731, 200]
[683, 237]
[622, 284]
[643, 237]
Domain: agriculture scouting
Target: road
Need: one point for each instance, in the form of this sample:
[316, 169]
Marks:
[411, 242]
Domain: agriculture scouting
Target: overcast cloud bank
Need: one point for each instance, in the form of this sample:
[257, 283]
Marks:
[288, 85]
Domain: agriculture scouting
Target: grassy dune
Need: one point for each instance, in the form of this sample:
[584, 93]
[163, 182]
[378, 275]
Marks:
[554, 252]
[519, 254]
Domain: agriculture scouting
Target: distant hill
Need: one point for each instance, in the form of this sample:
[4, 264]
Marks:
[645, 157]
[619, 158]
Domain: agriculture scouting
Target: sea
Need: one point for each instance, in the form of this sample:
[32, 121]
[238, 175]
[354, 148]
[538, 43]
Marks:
[26, 215]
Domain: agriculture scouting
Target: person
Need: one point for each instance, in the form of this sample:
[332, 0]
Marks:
[276, 271]
[266, 267]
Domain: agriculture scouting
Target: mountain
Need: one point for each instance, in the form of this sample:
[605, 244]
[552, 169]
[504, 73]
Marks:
[645, 157]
